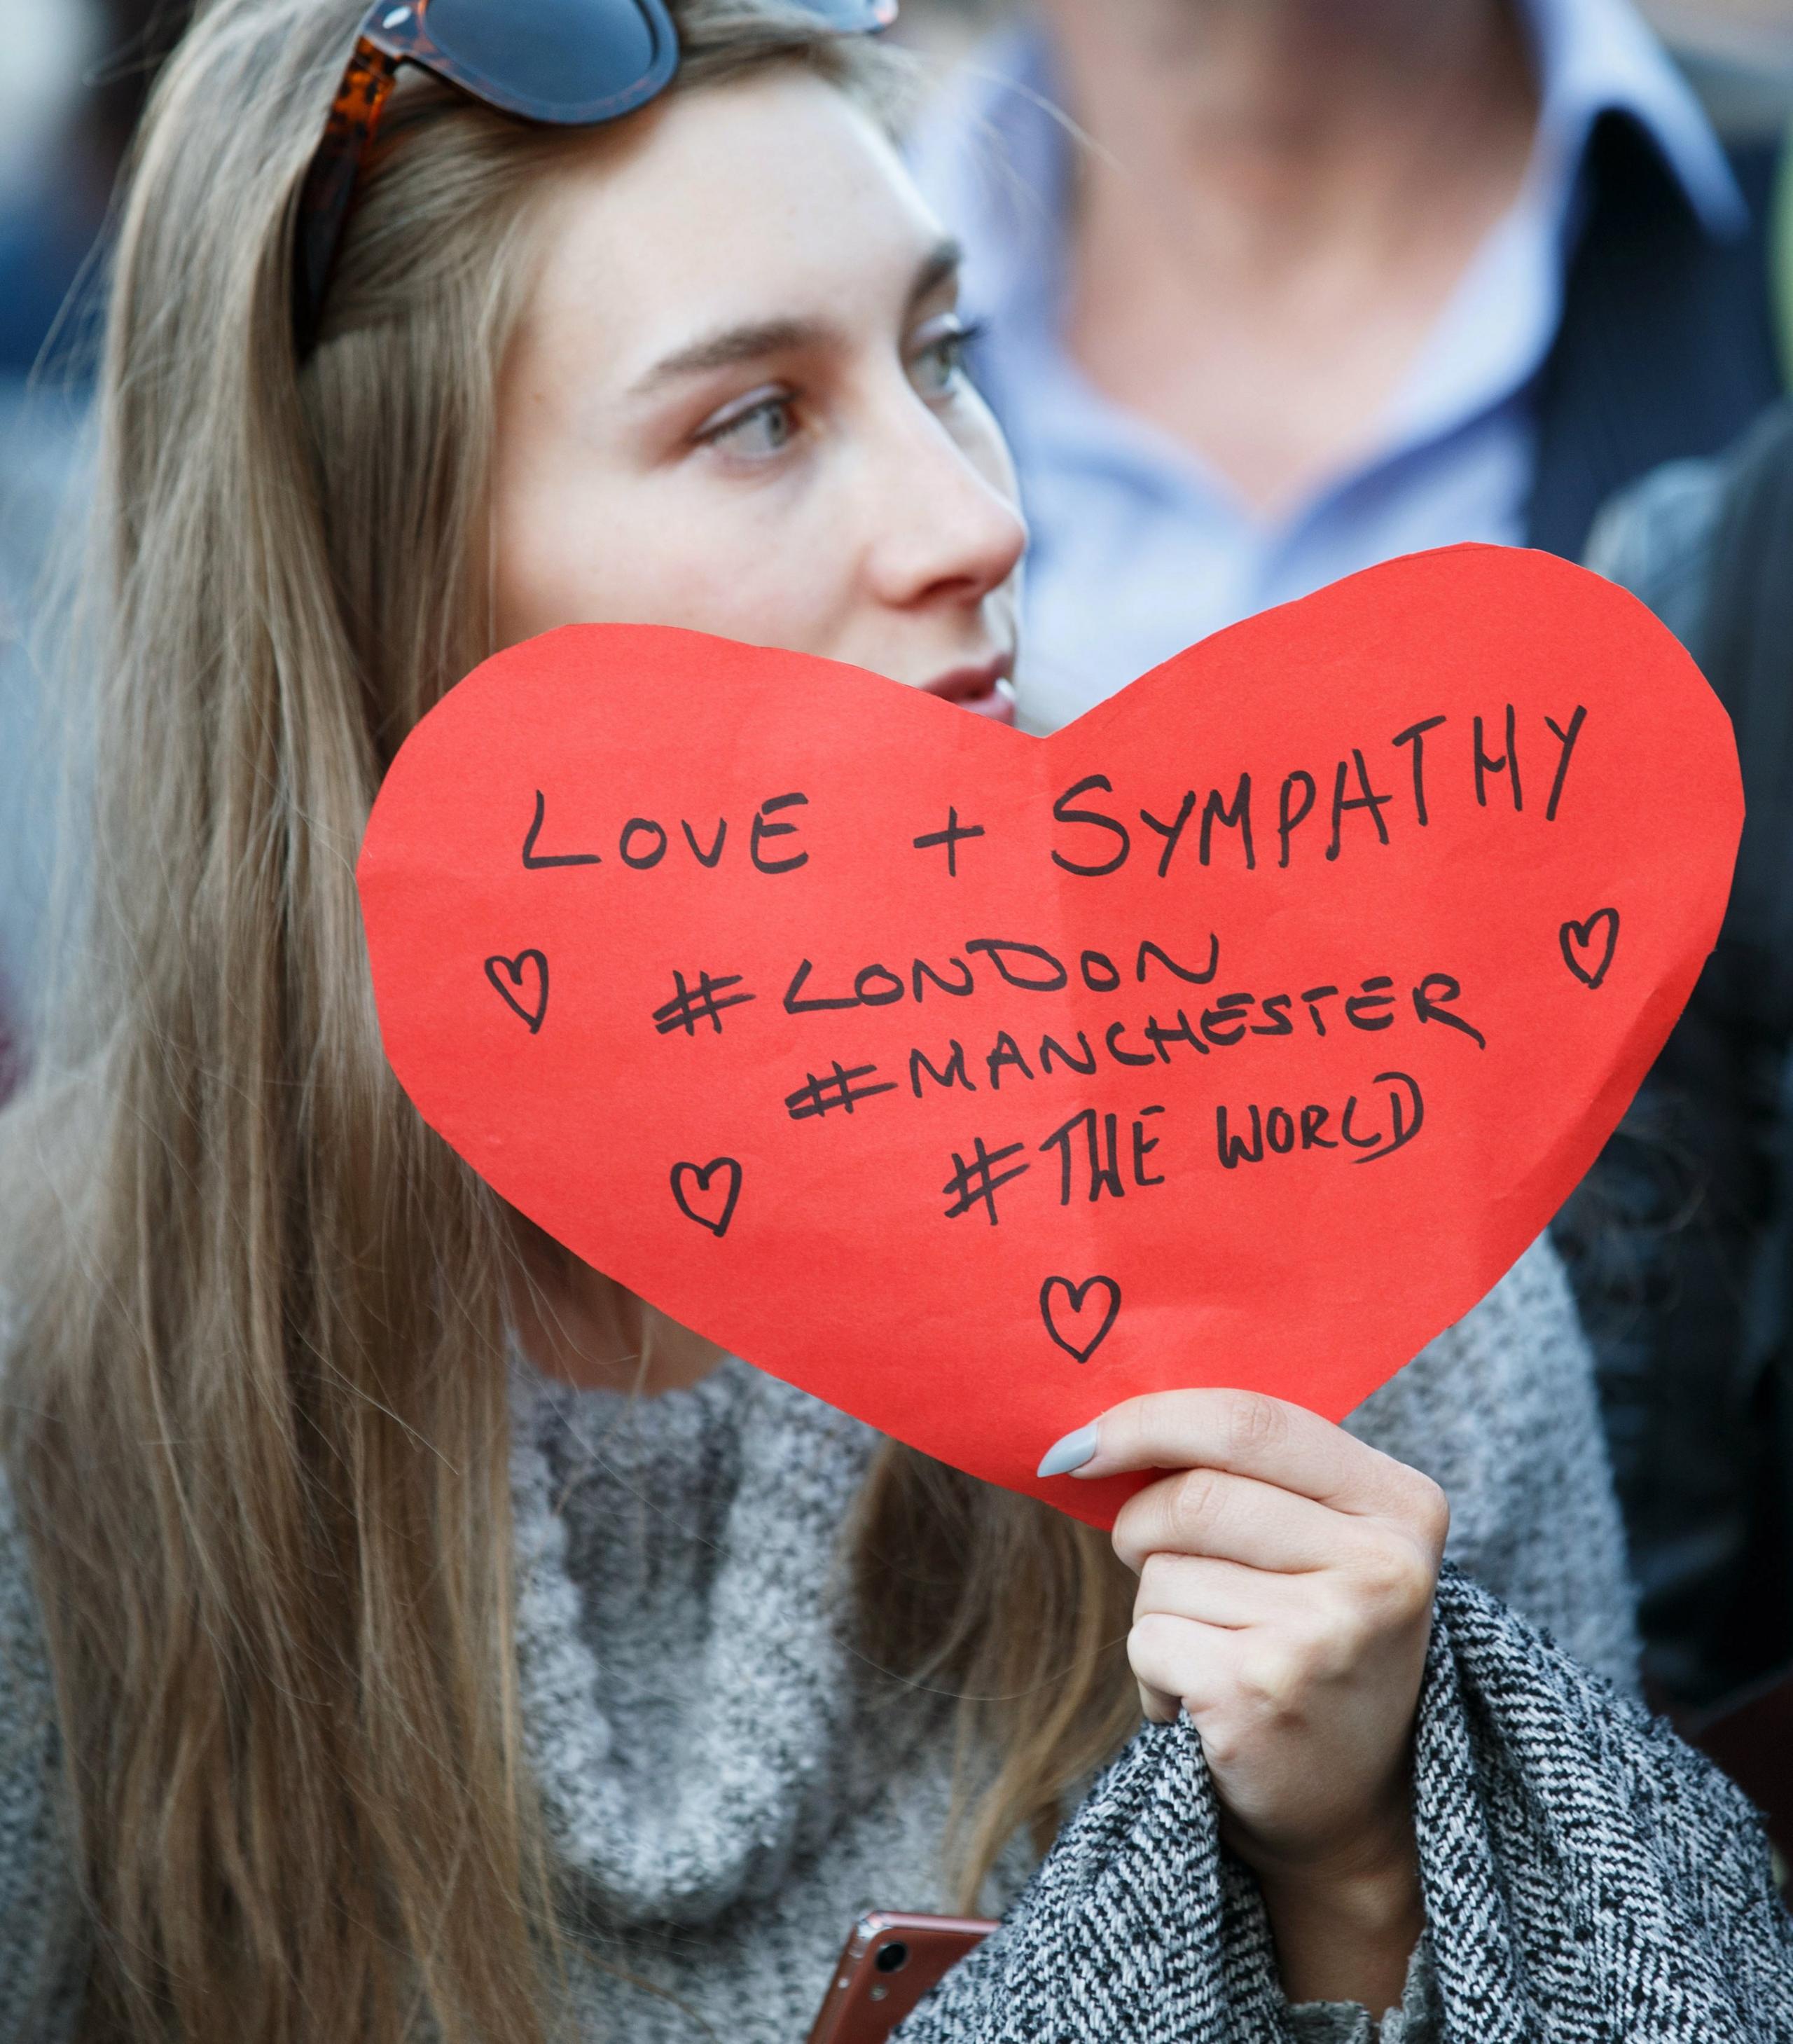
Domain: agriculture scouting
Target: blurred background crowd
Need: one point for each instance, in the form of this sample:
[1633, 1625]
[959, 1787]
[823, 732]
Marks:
[1272, 290]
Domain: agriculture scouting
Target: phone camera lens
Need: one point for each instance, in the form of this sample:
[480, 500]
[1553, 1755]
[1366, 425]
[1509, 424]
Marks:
[892, 1957]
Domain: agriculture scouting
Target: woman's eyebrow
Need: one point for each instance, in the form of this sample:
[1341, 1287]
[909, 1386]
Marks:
[940, 266]
[755, 339]
[730, 346]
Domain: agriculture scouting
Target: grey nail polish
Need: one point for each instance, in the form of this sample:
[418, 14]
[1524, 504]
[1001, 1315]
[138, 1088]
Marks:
[1071, 1453]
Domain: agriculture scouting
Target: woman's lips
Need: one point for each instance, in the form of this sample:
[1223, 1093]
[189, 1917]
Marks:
[985, 689]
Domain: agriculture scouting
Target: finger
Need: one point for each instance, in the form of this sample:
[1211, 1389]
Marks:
[1158, 1706]
[1227, 1595]
[1339, 1614]
[1231, 1518]
[1249, 1435]
[1179, 1660]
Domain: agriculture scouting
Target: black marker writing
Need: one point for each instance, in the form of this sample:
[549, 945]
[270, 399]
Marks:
[1566, 740]
[534, 861]
[763, 830]
[952, 837]
[817, 1097]
[976, 1184]
[1096, 820]
[1507, 764]
[1414, 735]
[703, 1003]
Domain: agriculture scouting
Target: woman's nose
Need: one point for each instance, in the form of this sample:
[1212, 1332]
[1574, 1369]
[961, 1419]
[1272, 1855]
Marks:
[950, 529]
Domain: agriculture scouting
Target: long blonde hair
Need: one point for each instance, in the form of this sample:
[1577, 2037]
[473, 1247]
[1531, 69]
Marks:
[255, 1423]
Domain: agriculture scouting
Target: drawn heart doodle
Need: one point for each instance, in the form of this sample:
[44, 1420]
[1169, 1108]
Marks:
[1585, 957]
[511, 975]
[1093, 1327]
[699, 1176]
[1246, 991]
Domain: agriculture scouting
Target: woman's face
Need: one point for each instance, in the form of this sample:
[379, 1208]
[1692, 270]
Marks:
[735, 401]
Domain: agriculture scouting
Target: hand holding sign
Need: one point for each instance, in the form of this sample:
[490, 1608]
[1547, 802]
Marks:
[1245, 1032]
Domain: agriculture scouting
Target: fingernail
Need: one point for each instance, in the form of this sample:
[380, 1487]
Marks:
[1071, 1453]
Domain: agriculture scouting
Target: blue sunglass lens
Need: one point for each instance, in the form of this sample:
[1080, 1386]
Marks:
[549, 56]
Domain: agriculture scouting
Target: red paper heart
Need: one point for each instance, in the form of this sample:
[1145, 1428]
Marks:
[672, 940]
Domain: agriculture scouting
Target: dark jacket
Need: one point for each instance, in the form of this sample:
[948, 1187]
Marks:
[1679, 1244]
[1666, 348]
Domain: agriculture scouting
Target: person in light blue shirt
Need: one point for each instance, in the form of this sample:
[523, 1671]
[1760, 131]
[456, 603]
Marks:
[1307, 286]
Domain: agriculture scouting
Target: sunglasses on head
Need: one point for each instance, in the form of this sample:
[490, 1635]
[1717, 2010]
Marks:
[574, 64]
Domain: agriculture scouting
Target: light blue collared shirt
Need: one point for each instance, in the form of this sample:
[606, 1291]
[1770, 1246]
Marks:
[1139, 547]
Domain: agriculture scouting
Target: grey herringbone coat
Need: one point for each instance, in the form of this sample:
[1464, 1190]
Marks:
[1587, 1877]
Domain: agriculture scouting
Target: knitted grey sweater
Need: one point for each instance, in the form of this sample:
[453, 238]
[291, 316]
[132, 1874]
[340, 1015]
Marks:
[728, 1785]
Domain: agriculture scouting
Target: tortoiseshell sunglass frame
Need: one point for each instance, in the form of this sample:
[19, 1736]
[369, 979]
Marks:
[329, 185]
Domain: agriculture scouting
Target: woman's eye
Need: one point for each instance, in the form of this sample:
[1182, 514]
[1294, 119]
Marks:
[765, 428]
[938, 366]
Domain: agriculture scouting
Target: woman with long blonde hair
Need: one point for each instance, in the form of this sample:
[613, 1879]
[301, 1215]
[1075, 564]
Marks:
[403, 1632]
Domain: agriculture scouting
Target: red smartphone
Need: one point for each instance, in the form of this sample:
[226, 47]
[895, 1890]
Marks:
[886, 1966]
